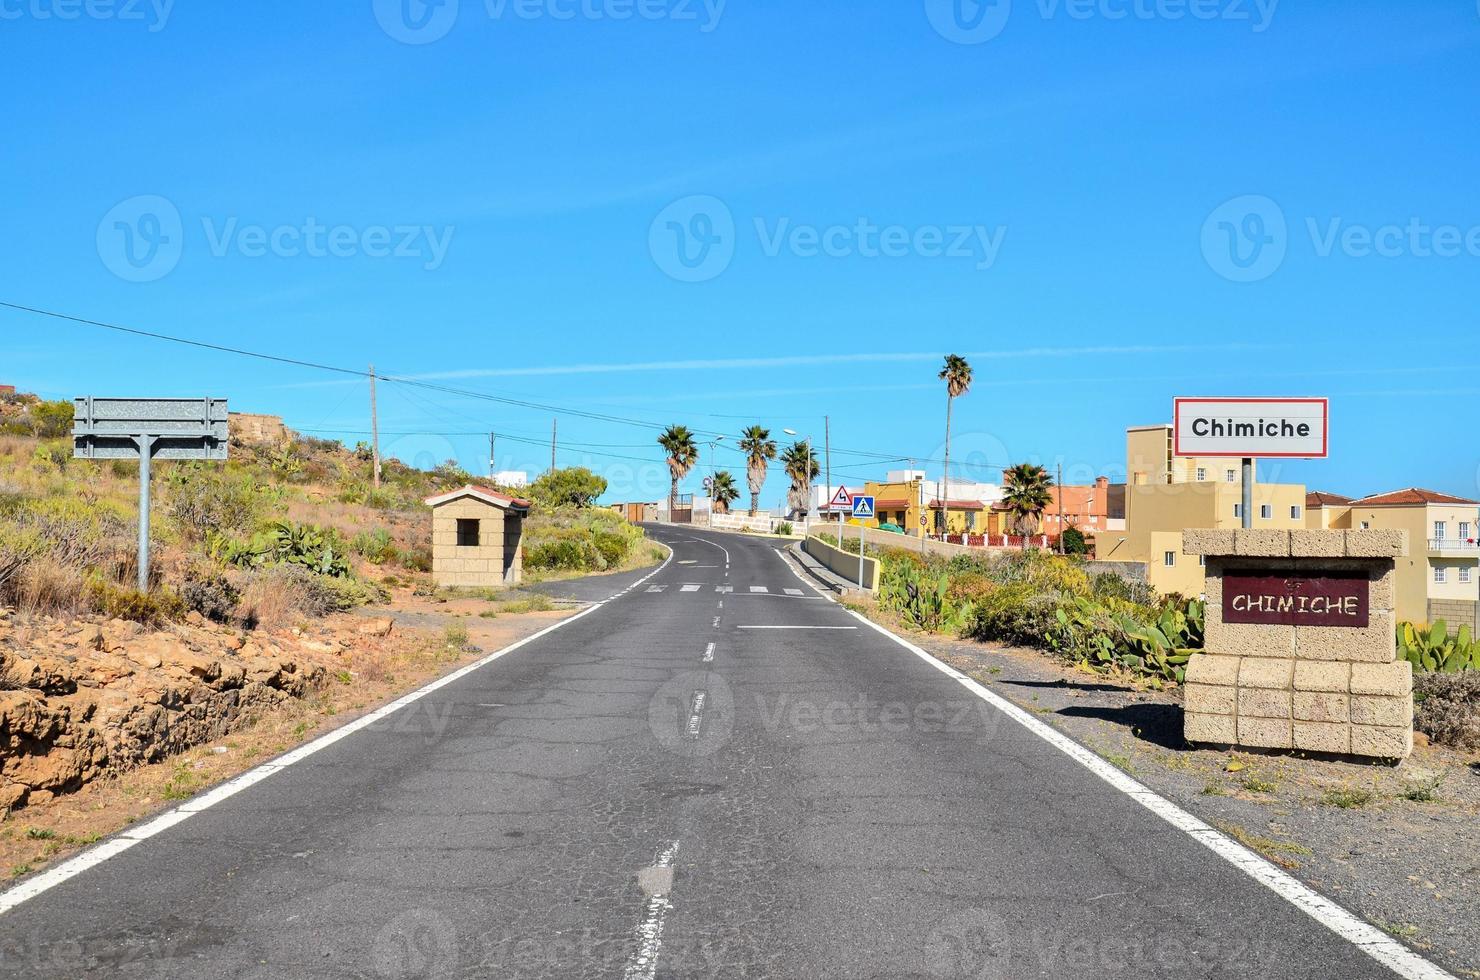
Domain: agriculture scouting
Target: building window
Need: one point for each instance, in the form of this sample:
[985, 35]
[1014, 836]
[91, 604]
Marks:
[1169, 559]
[970, 520]
[1228, 476]
[1441, 575]
[1464, 575]
[1294, 512]
[467, 532]
[1265, 512]
[1202, 474]
[1366, 525]
[1238, 510]
[1202, 561]
[1439, 528]
[1464, 530]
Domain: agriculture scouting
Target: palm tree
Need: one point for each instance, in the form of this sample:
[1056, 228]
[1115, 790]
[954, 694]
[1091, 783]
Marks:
[758, 446]
[723, 491]
[1027, 496]
[957, 376]
[796, 459]
[683, 453]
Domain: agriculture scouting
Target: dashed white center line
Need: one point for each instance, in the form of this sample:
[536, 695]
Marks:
[709, 654]
[696, 712]
[689, 588]
[657, 883]
[761, 589]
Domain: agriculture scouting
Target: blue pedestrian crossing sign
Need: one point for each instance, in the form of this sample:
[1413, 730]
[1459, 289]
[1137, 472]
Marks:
[863, 508]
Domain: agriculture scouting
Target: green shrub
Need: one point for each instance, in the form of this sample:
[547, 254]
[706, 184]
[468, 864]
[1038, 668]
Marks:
[119, 602]
[317, 549]
[784, 528]
[1433, 649]
[377, 546]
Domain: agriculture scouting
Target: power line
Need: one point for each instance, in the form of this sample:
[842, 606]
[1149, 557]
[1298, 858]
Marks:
[877, 457]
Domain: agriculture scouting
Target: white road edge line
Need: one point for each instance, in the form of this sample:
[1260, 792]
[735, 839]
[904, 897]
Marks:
[1369, 939]
[127, 838]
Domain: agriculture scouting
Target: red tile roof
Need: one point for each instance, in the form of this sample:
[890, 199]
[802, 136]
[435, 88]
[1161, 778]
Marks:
[483, 493]
[1320, 498]
[1411, 496]
[900, 503]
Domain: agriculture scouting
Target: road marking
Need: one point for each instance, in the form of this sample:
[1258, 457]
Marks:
[656, 588]
[792, 591]
[724, 589]
[689, 588]
[1367, 938]
[125, 839]
[709, 654]
[656, 882]
[716, 622]
[696, 712]
[796, 627]
[758, 589]
[713, 544]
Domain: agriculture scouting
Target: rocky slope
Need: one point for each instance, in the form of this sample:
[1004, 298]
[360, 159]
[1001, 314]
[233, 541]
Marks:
[80, 699]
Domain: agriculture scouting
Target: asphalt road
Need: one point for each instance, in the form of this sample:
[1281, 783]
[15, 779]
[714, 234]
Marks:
[716, 774]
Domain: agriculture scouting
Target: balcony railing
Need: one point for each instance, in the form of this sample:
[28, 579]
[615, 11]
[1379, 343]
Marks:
[1454, 544]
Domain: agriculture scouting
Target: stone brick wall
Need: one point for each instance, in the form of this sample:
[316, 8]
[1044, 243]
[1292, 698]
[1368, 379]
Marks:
[1455, 613]
[1328, 689]
[494, 562]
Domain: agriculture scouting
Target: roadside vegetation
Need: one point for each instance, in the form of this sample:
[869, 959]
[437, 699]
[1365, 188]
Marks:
[277, 535]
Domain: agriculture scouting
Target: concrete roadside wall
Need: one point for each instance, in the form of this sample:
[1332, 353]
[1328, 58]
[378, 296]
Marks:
[843, 563]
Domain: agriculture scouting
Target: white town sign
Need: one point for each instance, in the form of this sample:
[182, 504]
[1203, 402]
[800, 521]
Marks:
[1267, 428]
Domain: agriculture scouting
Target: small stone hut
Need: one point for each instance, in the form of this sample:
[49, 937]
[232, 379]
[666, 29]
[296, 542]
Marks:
[477, 538]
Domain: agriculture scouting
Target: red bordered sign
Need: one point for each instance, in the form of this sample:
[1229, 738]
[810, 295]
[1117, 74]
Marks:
[1263, 428]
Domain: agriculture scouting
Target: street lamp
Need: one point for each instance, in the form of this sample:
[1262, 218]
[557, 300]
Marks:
[807, 515]
[712, 473]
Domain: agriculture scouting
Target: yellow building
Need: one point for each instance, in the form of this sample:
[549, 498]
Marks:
[1440, 578]
[1166, 494]
[905, 502]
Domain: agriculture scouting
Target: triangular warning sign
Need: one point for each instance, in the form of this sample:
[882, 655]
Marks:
[842, 498]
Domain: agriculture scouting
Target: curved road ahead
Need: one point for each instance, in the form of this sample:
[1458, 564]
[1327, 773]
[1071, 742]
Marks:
[715, 773]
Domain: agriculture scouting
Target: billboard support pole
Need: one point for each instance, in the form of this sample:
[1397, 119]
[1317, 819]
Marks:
[1248, 508]
[146, 449]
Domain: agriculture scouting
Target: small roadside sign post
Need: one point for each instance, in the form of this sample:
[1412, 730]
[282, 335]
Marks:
[863, 510]
[1250, 428]
[842, 500]
[146, 429]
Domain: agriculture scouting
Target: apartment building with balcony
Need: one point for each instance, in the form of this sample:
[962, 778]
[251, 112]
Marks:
[1440, 578]
[1166, 494]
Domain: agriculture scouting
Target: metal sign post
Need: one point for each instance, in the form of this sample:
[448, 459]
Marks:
[146, 429]
[863, 510]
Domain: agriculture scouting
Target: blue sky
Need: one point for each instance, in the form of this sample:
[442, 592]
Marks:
[1076, 198]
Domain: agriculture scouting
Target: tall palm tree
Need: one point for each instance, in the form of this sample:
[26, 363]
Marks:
[683, 453]
[796, 459]
[1026, 496]
[723, 491]
[957, 375]
[758, 446]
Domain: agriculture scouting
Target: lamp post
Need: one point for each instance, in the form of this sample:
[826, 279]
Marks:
[807, 514]
[712, 472]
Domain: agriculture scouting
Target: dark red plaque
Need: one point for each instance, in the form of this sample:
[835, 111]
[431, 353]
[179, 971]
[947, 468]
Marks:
[1330, 599]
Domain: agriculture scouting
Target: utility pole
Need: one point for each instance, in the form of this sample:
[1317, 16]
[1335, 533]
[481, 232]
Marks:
[554, 428]
[374, 433]
[827, 477]
[920, 501]
[1061, 507]
[492, 455]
